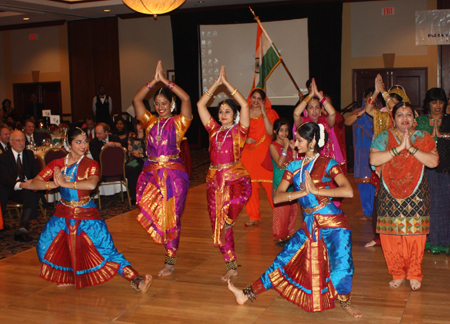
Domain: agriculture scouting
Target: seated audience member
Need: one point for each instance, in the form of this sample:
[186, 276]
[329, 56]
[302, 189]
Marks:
[31, 136]
[90, 127]
[102, 137]
[122, 131]
[18, 167]
[4, 138]
[137, 144]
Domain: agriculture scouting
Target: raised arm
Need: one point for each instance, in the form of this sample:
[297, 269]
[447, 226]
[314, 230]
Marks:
[245, 110]
[298, 120]
[222, 80]
[138, 100]
[331, 118]
[186, 108]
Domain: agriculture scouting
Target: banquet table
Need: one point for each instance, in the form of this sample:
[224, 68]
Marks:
[106, 190]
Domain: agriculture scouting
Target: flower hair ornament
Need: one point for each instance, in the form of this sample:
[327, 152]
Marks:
[66, 146]
[321, 142]
[238, 117]
[173, 105]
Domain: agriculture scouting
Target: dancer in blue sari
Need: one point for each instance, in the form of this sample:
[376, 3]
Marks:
[316, 266]
[362, 139]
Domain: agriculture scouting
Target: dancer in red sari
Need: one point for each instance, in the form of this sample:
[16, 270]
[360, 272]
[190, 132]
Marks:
[228, 182]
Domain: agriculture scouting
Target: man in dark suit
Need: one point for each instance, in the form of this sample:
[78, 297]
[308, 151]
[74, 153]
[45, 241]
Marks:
[34, 109]
[90, 127]
[30, 135]
[17, 168]
[4, 138]
[102, 137]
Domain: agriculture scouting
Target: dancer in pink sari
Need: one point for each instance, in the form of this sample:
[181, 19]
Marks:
[311, 105]
[163, 184]
[228, 182]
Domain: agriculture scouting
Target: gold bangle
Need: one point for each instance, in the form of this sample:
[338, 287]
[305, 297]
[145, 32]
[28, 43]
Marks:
[385, 94]
[75, 185]
[289, 197]
[234, 91]
[47, 185]
[208, 94]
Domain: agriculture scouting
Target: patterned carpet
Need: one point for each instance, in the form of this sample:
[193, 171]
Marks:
[111, 207]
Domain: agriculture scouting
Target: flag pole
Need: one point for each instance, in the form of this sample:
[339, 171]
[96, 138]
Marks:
[300, 94]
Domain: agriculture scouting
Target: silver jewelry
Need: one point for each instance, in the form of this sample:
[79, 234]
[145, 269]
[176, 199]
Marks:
[158, 133]
[306, 159]
[66, 165]
[218, 144]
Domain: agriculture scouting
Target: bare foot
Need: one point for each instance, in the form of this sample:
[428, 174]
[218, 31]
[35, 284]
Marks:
[144, 285]
[238, 293]
[370, 244]
[353, 311]
[64, 285]
[415, 284]
[229, 274]
[396, 283]
[167, 270]
[252, 223]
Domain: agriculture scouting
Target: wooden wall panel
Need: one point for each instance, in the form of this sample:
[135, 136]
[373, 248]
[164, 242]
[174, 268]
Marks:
[106, 57]
[94, 61]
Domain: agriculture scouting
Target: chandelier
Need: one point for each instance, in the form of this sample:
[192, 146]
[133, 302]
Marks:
[153, 7]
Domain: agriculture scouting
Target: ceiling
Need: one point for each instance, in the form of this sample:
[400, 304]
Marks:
[38, 11]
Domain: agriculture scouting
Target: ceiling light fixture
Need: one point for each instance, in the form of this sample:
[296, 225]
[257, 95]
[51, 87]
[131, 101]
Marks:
[26, 18]
[153, 7]
[106, 10]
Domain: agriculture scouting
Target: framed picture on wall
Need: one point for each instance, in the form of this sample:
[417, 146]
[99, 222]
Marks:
[171, 75]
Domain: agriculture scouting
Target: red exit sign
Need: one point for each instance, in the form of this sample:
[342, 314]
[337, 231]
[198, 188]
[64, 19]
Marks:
[388, 11]
[33, 36]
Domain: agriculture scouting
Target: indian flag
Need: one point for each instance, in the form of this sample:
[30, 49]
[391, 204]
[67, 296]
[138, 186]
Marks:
[267, 59]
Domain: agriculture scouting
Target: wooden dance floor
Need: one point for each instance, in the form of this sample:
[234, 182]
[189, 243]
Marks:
[195, 293]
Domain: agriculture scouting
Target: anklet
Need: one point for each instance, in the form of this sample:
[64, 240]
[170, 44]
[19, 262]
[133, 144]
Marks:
[345, 304]
[232, 265]
[227, 226]
[170, 260]
[249, 293]
[135, 282]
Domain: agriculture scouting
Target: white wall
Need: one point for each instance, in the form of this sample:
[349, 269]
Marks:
[142, 42]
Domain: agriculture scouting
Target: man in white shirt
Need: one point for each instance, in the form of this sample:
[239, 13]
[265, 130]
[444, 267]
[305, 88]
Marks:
[102, 106]
[4, 138]
[17, 168]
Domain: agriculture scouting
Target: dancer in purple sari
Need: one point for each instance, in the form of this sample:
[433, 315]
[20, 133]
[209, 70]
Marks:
[228, 182]
[163, 184]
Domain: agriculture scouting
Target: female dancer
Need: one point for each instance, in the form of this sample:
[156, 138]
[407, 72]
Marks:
[282, 152]
[315, 267]
[228, 182]
[362, 139]
[403, 205]
[312, 104]
[259, 138]
[437, 123]
[75, 246]
[163, 184]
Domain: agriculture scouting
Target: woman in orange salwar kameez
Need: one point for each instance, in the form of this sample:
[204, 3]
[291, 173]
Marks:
[403, 202]
[259, 138]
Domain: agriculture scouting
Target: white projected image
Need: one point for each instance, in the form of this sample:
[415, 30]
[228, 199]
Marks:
[234, 47]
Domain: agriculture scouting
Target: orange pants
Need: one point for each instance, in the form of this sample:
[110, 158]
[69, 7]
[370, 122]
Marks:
[404, 254]
[253, 203]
